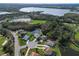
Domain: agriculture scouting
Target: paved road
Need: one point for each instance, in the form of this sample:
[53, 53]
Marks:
[18, 47]
[16, 44]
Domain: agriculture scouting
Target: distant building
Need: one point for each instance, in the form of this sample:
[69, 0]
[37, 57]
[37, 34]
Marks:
[21, 19]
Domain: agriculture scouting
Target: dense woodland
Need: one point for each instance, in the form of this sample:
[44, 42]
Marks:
[9, 47]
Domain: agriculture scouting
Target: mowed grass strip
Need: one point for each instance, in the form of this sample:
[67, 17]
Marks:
[77, 36]
[2, 39]
[74, 47]
[57, 50]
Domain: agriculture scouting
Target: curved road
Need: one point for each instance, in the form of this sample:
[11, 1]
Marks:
[16, 44]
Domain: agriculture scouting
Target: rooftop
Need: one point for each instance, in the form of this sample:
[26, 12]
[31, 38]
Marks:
[26, 37]
[36, 31]
[32, 44]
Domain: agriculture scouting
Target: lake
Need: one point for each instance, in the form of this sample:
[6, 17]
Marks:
[51, 11]
[4, 12]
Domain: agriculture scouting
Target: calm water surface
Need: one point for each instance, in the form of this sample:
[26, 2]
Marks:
[51, 11]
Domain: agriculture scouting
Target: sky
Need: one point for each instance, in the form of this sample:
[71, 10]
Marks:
[39, 1]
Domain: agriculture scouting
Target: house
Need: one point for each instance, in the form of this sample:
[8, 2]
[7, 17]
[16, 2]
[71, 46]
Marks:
[50, 43]
[43, 37]
[34, 54]
[49, 52]
[25, 37]
[32, 44]
[45, 26]
[37, 33]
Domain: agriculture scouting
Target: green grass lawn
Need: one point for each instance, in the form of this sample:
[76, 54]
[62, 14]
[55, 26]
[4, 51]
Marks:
[38, 21]
[31, 38]
[77, 36]
[2, 39]
[57, 50]
[22, 41]
[30, 35]
[74, 47]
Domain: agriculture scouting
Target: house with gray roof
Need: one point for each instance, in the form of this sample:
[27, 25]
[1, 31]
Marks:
[25, 37]
[50, 43]
[37, 33]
